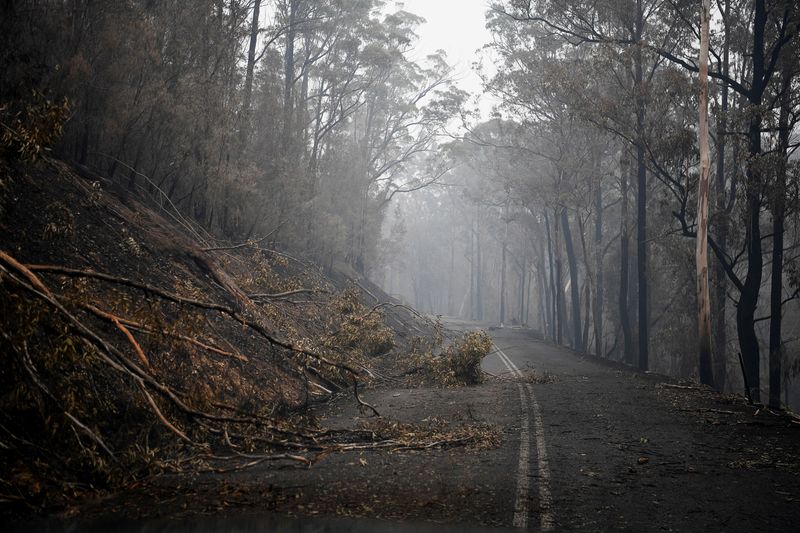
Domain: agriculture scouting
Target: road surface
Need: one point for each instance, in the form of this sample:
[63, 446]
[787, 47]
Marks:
[624, 450]
[584, 445]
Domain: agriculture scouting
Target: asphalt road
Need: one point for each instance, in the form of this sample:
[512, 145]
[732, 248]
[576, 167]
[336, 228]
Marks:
[626, 450]
[584, 446]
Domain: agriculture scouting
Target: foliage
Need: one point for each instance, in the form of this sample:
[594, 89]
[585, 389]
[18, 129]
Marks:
[358, 327]
[30, 127]
[459, 363]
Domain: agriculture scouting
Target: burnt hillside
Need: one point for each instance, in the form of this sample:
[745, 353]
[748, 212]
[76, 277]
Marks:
[134, 342]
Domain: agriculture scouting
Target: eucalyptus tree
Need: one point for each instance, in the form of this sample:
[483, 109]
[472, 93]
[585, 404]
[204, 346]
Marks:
[703, 193]
[767, 31]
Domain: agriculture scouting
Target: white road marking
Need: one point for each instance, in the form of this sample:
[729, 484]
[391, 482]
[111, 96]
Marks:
[521, 512]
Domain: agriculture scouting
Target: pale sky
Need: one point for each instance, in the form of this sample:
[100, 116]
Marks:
[459, 28]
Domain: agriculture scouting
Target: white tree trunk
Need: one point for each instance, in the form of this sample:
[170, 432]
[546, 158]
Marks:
[703, 189]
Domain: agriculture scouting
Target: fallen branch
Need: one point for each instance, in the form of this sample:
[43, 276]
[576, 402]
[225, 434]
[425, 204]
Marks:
[31, 369]
[175, 298]
[22, 269]
[682, 387]
[131, 339]
[255, 462]
[249, 242]
[360, 401]
[161, 416]
[719, 411]
[367, 291]
[144, 329]
[261, 330]
[284, 294]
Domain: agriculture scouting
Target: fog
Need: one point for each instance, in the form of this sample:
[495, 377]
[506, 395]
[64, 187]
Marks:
[475, 221]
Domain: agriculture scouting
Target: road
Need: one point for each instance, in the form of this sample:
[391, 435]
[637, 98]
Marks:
[584, 446]
[614, 449]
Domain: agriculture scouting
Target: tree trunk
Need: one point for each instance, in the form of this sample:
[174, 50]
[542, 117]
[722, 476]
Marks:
[478, 274]
[251, 64]
[587, 309]
[524, 289]
[503, 279]
[288, 73]
[597, 310]
[526, 316]
[641, 193]
[554, 293]
[778, 214]
[472, 313]
[748, 300]
[720, 296]
[577, 332]
[450, 297]
[703, 190]
[559, 286]
[544, 300]
[624, 251]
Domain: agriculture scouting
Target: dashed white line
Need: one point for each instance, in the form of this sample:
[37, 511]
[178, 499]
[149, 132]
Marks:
[521, 510]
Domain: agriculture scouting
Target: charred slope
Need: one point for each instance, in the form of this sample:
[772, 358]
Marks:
[133, 342]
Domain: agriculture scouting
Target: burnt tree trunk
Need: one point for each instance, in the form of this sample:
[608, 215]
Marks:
[624, 251]
[748, 300]
[577, 337]
[544, 300]
[288, 73]
[559, 287]
[778, 215]
[597, 308]
[721, 285]
[251, 64]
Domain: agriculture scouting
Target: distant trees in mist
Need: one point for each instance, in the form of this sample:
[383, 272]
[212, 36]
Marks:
[589, 184]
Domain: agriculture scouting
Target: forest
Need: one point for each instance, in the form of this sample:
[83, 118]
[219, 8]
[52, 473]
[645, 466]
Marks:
[309, 119]
[180, 178]
[575, 208]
